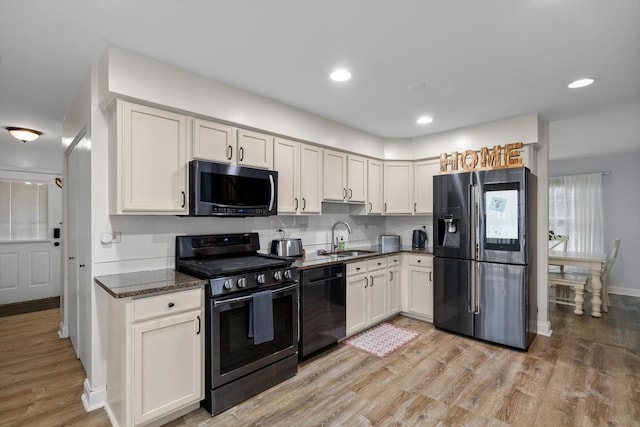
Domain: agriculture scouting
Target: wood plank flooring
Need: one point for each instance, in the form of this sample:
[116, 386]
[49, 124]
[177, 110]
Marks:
[586, 374]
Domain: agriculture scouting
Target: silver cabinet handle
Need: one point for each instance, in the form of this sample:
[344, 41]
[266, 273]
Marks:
[184, 199]
[296, 208]
[229, 152]
[415, 207]
[370, 206]
[366, 282]
[344, 193]
[385, 206]
[371, 281]
[304, 204]
[199, 330]
[391, 276]
[350, 193]
[241, 153]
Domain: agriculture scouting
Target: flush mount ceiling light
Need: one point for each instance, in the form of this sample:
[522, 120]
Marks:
[424, 120]
[23, 134]
[581, 83]
[340, 75]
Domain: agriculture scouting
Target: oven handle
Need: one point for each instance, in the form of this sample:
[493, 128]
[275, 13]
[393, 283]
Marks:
[248, 297]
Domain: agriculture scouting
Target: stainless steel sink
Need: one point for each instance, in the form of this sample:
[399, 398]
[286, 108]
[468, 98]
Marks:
[347, 253]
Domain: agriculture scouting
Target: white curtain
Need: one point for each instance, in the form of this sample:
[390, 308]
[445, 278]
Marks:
[576, 209]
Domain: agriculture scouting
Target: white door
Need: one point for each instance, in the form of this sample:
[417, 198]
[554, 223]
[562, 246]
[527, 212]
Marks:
[77, 298]
[30, 208]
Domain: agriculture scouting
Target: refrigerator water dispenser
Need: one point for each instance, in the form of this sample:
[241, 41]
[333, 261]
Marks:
[448, 234]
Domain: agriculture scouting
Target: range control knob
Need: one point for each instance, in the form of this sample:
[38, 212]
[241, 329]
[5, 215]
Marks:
[277, 275]
[228, 284]
[242, 282]
[261, 279]
[287, 274]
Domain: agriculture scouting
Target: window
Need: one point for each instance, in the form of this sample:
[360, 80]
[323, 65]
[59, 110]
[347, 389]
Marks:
[576, 209]
[24, 208]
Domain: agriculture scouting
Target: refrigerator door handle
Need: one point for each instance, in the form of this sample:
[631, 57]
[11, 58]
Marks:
[473, 220]
[476, 285]
[472, 287]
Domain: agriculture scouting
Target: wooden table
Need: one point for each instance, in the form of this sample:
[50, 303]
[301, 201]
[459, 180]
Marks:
[592, 261]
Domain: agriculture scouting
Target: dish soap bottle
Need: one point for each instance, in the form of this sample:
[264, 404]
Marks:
[341, 244]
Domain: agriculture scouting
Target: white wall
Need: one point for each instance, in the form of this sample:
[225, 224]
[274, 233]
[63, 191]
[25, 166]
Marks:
[621, 206]
[29, 157]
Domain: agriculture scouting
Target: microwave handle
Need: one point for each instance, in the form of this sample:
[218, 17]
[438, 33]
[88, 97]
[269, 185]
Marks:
[273, 192]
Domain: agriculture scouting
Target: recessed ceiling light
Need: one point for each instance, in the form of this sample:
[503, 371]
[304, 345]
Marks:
[424, 120]
[340, 75]
[581, 83]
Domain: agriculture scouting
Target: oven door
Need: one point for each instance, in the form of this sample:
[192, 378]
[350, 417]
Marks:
[233, 353]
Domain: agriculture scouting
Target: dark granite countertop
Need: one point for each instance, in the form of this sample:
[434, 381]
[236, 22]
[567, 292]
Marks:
[147, 282]
[157, 281]
[312, 260]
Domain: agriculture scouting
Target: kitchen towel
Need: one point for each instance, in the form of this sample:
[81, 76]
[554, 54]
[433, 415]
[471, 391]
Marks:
[261, 317]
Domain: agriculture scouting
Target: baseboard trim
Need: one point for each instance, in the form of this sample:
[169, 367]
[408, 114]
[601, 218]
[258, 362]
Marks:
[93, 399]
[23, 307]
[63, 332]
[544, 328]
[625, 291]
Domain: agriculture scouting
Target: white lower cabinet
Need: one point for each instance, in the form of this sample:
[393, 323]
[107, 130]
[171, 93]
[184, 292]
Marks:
[369, 293]
[393, 295]
[155, 357]
[420, 286]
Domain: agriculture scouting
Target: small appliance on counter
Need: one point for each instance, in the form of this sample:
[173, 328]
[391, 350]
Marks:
[287, 247]
[389, 242]
[419, 239]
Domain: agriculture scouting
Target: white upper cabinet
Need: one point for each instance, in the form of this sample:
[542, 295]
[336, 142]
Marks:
[299, 169]
[424, 173]
[335, 176]
[345, 177]
[254, 149]
[398, 188]
[217, 142]
[151, 155]
[374, 187]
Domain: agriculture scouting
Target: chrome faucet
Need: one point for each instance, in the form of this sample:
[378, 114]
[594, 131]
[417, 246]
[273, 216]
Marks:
[334, 243]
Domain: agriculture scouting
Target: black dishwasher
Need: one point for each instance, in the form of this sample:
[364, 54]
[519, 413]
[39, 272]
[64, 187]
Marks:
[323, 308]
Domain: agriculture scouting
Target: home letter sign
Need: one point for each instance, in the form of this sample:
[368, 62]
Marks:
[494, 158]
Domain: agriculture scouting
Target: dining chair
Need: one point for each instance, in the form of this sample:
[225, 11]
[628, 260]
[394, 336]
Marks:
[604, 276]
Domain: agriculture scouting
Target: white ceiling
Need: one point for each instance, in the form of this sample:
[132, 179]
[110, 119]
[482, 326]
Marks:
[479, 60]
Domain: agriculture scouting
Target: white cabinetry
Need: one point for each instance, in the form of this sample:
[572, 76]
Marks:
[374, 187]
[420, 286]
[299, 169]
[367, 290]
[154, 357]
[149, 151]
[345, 177]
[221, 143]
[393, 295]
[398, 188]
[425, 171]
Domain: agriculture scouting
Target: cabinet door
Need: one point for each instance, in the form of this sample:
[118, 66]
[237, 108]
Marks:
[356, 304]
[152, 160]
[398, 188]
[254, 149]
[167, 365]
[310, 179]
[285, 161]
[356, 179]
[424, 172]
[421, 292]
[214, 141]
[393, 296]
[335, 174]
[374, 187]
[378, 289]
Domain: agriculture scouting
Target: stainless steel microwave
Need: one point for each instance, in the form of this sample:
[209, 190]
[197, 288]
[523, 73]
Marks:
[218, 189]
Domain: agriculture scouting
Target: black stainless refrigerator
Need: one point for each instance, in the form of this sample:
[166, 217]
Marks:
[483, 227]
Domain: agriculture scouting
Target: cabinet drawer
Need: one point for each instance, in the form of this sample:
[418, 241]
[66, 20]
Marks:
[421, 260]
[160, 305]
[377, 263]
[394, 261]
[354, 268]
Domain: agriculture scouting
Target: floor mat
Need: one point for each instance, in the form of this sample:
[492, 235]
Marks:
[382, 340]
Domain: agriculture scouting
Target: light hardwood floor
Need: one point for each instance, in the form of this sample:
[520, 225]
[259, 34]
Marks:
[586, 374]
